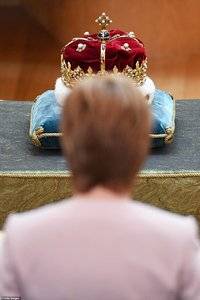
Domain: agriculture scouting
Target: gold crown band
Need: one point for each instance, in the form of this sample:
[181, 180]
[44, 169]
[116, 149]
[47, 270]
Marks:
[71, 77]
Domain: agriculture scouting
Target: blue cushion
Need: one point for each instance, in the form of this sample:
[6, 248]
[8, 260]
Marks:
[163, 112]
[45, 119]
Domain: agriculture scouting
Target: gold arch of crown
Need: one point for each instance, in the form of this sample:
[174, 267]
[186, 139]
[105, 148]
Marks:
[71, 76]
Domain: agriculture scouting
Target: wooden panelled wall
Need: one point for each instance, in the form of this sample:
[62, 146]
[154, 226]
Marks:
[170, 28]
[29, 54]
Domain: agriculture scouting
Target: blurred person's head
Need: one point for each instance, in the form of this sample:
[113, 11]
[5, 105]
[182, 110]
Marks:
[106, 124]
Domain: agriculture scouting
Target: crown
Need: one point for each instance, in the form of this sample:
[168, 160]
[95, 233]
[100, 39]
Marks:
[113, 51]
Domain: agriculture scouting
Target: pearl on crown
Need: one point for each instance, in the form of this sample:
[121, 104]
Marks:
[81, 47]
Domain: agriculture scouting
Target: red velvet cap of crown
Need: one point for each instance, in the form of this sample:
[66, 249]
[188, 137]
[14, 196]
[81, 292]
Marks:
[116, 55]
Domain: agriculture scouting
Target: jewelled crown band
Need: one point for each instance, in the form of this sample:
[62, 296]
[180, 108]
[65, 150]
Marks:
[130, 55]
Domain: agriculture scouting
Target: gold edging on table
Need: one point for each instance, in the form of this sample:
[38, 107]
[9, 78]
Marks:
[169, 175]
[68, 174]
[29, 174]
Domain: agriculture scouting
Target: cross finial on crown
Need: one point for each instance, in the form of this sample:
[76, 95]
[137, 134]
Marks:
[103, 21]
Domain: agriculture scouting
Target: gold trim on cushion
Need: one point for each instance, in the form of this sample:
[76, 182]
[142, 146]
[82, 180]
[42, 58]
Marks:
[36, 135]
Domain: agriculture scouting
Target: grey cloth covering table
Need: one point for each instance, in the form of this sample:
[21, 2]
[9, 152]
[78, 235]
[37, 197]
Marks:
[31, 177]
[18, 154]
